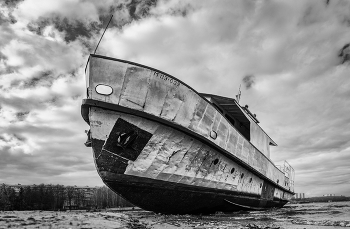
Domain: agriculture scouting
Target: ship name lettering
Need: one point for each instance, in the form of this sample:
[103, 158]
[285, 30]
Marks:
[167, 78]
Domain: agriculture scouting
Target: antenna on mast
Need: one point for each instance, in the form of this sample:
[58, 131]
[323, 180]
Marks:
[238, 96]
[103, 33]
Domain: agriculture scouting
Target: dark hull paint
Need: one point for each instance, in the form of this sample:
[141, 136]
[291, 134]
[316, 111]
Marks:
[173, 198]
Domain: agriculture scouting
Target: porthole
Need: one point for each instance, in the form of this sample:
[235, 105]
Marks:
[213, 134]
[233, 170]
[216, 161]
[250, 180]
[104, 89]
[242, 175]
[278, 181]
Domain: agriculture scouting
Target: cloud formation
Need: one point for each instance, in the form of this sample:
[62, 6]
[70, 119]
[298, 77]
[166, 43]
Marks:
[290, 56]
[248, 80]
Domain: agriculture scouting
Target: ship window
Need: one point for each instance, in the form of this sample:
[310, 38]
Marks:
[232, 121]
[278, 181]
[242, 175]
[216, 161]
[250, 180]
[260, 185]
[232, 170]
[213, 134]
[104, 89]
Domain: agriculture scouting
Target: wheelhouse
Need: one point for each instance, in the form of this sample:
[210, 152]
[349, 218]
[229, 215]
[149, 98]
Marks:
[243, 120]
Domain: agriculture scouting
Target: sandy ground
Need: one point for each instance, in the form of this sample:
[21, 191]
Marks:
[139, 219]
[113, 219]
[68, 219]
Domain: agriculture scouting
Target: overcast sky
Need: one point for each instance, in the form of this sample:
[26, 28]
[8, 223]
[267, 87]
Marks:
[287, 55]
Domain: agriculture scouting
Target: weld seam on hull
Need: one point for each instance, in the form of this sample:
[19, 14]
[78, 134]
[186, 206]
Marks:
[116, 155]
[130, 181]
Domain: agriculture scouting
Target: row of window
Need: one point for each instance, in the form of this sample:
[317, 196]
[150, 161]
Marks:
[216, 161]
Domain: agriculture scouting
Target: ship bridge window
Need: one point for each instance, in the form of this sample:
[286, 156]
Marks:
[244, 130]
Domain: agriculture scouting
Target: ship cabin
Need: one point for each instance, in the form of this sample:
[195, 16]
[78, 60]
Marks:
[243, 120]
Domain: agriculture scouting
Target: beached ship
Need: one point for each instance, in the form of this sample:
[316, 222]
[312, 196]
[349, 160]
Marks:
[167, 148]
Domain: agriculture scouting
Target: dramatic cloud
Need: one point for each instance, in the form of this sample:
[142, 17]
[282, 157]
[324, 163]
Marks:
[291, 57]
[248, 80]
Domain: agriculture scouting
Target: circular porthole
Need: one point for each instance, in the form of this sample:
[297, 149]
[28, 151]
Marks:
[104, 89]
[216, 161]
[233, 170]
[213, 134]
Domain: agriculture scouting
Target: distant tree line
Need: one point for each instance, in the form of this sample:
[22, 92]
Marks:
[58, 197]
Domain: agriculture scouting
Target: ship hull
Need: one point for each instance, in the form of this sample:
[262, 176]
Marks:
[168, 171]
